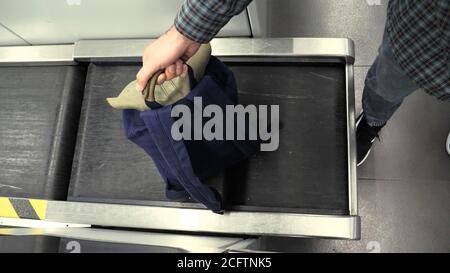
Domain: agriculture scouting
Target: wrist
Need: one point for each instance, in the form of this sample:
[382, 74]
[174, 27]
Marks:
[180, 37]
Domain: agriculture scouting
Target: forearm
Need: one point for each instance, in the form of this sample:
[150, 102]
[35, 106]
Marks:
[200, 20]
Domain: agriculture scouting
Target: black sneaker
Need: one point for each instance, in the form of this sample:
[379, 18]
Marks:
[365, 136]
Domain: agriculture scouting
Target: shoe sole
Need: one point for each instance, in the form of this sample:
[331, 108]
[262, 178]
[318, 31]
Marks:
[448, 144]
[366, 156]
[364, 159]
[358, 120]
[368, 152]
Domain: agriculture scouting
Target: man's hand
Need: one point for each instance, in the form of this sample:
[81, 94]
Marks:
[166, 53]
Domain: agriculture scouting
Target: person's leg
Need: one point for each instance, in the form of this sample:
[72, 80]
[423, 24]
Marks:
[385, 87]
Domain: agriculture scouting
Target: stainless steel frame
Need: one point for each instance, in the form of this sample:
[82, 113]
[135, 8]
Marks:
[131, 50]
[199, 220]
[202, 220]
[351, 141]
[32, 223]
[36, 55]
[175, 242]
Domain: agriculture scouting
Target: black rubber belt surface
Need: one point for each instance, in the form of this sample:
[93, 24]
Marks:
[308, 172]
[39, 113]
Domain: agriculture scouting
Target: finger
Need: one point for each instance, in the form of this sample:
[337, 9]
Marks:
[142, 78]
[185, 71]
[179, 67]
[170, 72]
[161, 79]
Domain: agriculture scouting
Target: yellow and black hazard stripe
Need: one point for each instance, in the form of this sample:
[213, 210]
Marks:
[23, 208]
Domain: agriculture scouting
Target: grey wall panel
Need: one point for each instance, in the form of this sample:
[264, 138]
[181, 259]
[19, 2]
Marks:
[66, 21]
[361, 20]
[257, 15]
[8, 38]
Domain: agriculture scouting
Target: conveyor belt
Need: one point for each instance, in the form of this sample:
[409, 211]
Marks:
[107, 165]
[308, 173]
[39, 113]
[309, 169]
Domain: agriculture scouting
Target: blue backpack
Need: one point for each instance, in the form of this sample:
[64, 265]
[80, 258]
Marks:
[184, 164]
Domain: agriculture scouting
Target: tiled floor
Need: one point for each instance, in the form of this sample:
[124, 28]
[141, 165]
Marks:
[404, 186]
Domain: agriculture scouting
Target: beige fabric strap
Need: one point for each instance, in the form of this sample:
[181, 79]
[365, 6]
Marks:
[167, 93]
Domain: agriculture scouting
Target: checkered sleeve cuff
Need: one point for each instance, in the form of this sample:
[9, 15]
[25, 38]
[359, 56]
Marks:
[200, 20]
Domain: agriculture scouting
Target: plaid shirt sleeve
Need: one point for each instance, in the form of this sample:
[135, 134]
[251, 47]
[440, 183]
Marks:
[419, 32]
[200, 20]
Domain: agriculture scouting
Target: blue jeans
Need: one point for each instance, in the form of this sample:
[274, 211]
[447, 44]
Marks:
[385, 87]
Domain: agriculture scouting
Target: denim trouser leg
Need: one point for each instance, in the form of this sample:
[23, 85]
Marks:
[385, 87]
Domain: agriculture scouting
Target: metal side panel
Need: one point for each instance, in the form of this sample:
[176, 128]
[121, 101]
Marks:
[96, 240]
[198, 220]
[37, 55]
[351, 141]
[131, 49]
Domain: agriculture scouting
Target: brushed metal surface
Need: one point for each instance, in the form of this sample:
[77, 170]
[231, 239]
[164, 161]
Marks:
[351, 141]
[180, 242]
[32, 55]
[198, 220]
[131, 49]
[31, 223]
[86, 50]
